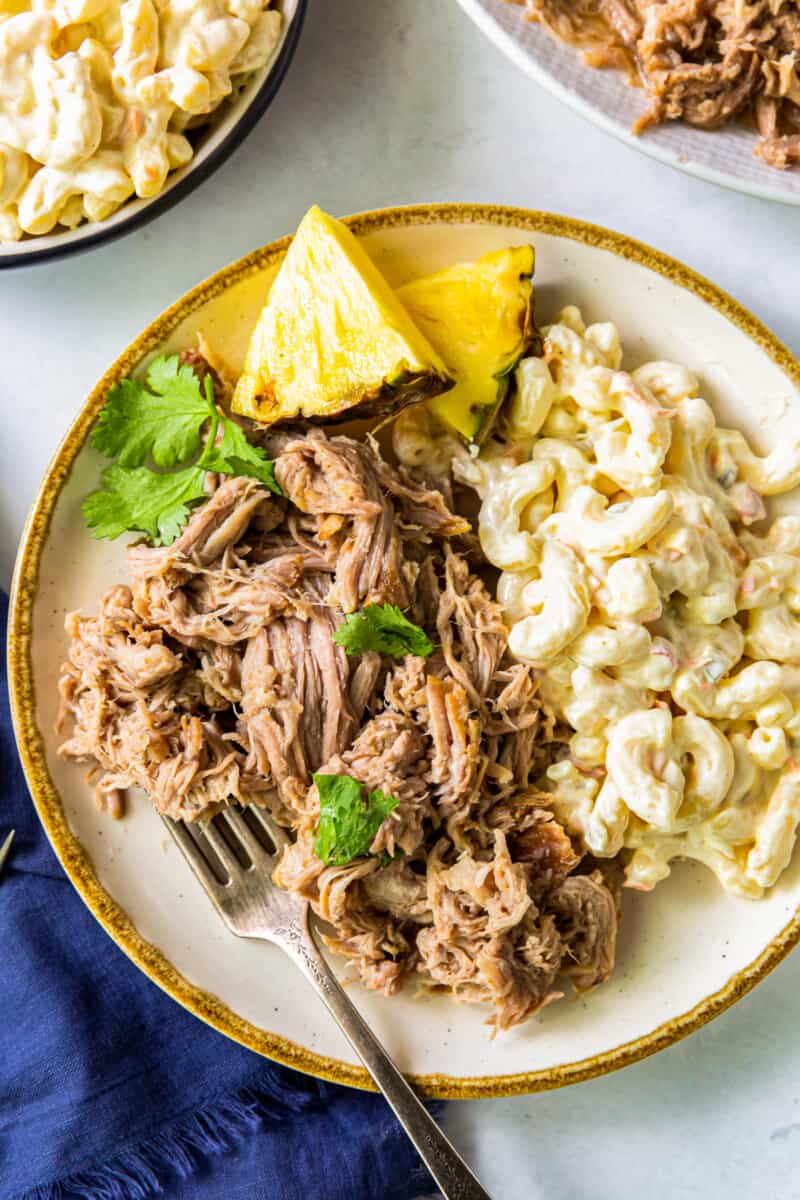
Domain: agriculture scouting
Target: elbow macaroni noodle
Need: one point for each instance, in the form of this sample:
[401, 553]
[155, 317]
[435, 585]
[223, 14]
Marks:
[96, 95]
[663, 631]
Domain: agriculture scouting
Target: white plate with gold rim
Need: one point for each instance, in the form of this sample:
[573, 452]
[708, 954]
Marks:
[723, 156]
[686, 951]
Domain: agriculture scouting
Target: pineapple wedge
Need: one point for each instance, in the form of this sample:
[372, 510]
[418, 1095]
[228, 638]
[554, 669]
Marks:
[333, 341]
[479, 316]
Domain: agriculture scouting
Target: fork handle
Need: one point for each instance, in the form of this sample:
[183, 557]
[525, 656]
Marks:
[445, 1164]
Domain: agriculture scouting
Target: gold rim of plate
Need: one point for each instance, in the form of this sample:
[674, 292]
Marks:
[71, 853]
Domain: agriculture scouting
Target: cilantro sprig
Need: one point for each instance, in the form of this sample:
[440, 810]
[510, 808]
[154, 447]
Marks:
[170, 419]
[384, 628]
[349, 818]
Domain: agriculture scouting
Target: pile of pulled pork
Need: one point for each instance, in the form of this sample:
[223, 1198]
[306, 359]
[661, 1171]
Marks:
[213, 678]
[700, 61]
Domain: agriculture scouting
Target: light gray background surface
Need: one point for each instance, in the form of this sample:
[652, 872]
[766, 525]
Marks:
[391, 103]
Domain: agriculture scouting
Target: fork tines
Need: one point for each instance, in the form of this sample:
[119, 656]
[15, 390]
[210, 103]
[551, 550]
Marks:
[230, 845]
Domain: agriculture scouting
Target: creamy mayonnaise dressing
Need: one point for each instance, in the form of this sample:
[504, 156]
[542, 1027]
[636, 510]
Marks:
[95, 96]
[664, 632]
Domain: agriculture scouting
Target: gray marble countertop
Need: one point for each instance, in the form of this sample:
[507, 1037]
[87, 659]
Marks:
[403, 102]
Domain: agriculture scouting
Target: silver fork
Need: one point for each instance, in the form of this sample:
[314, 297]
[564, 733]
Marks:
[252, 906]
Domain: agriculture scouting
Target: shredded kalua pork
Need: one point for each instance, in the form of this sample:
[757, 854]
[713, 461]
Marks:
[213, 678]
[700, 61]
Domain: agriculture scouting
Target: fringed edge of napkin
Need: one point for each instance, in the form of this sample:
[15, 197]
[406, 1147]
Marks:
[142, 1172]
[219, 1126]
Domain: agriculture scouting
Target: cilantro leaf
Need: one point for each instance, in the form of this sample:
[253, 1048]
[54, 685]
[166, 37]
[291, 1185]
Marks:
[169, 376]
[382, 627]
[136, 498]
[348, 818]
[162, 420]
[234, 455]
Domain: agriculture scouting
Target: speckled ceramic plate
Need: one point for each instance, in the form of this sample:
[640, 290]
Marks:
[722, 156]
[685, 952]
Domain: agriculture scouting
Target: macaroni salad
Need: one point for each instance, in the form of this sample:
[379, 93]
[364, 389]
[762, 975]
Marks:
[96, 97]
[665, 633]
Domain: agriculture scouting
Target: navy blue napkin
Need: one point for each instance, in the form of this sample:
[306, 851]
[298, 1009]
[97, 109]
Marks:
[111, 1091]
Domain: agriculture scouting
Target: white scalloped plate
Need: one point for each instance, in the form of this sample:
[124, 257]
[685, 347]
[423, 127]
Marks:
[685, 952]
[722, 156]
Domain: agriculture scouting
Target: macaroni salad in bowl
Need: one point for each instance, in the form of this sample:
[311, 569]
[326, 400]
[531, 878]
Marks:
[664, 631]
[97, 98]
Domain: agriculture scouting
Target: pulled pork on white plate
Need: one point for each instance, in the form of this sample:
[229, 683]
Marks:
[213, 678]
[705, 62]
